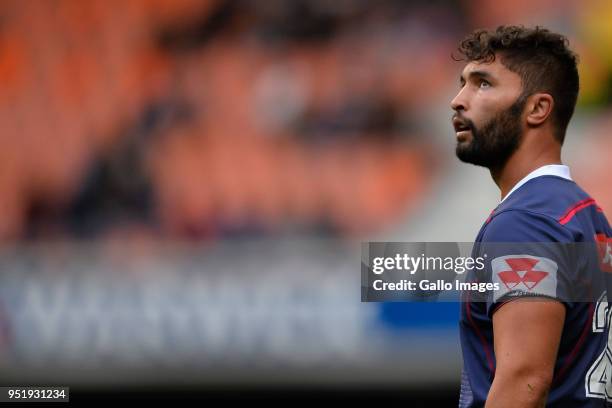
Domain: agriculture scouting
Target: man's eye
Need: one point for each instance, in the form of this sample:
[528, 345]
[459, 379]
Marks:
[484, 84]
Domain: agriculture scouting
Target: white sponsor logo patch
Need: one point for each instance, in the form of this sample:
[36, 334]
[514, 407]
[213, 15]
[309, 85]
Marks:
[524, 273]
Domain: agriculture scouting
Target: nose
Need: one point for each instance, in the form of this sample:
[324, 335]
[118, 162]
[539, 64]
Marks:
[459, 101]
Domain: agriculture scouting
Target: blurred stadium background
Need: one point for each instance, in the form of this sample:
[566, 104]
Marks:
[184, 185]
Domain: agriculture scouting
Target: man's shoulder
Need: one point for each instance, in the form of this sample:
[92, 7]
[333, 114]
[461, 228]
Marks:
[547, 196]
[523, 225]
[533, 211]
[544, 209]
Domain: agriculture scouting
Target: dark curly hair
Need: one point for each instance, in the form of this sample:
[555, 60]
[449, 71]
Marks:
[541, 58]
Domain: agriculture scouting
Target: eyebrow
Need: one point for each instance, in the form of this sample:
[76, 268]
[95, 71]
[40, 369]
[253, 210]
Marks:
[479, 74]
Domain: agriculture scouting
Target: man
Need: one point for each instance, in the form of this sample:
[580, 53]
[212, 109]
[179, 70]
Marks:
[541, 338]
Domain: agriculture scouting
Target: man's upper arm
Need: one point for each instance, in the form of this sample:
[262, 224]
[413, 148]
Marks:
[526, 333]
[529, 260]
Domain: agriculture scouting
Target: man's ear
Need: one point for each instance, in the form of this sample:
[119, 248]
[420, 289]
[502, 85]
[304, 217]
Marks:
[539, 108]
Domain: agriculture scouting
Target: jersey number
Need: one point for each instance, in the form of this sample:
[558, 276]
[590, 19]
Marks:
[598, 381]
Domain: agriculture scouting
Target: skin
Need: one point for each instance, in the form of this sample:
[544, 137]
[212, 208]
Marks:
[525, 352]
[525, 349]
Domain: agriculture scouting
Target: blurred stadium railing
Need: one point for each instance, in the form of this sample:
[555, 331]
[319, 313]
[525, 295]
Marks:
[249, 313]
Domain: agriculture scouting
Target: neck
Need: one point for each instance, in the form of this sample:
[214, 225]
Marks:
[526, 159]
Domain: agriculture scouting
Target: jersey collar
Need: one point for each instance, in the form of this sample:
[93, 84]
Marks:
[559, 170]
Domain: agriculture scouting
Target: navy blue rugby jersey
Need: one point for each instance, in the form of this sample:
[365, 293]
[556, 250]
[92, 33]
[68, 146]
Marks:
[556, 212]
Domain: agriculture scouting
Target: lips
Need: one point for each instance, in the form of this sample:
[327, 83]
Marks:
[462, 128]
[461, 125]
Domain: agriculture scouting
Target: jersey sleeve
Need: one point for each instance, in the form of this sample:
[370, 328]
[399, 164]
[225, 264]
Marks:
[527, 255]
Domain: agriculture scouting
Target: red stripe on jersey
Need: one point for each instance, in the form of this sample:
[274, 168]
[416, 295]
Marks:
[580, 205]
[490, 216]
[578, 346]
[483, 341]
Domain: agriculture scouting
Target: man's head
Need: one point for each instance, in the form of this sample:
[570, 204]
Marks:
[515, 79]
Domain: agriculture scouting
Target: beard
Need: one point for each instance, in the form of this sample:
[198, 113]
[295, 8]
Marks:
[493, 144]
